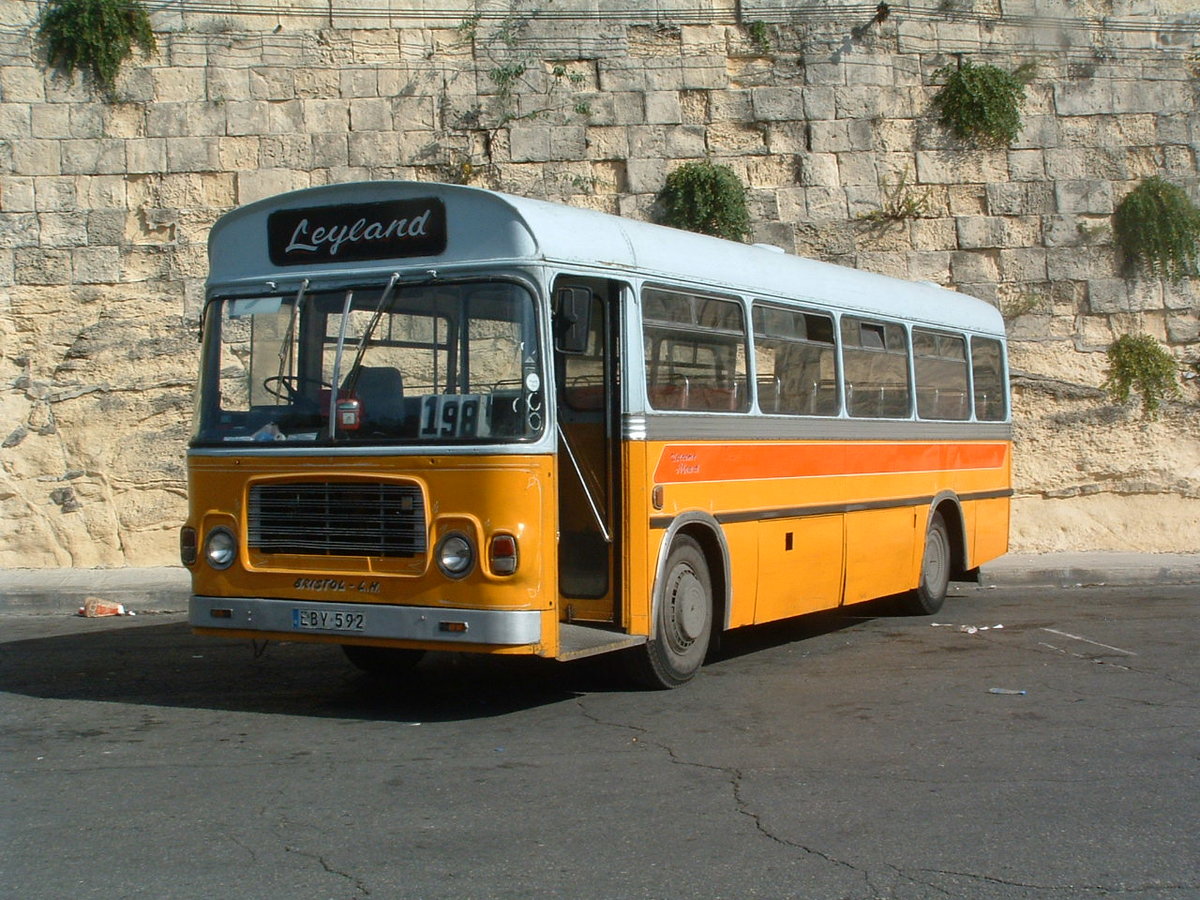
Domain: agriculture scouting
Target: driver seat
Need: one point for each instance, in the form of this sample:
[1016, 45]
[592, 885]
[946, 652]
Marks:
[381, 390]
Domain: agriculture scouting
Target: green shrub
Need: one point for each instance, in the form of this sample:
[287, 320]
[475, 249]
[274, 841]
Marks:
[94, 36]
[982, 104]
[1157, 228]
[707, 198]
[1137, 362]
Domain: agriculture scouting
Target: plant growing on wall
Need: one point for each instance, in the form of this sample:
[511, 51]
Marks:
[982, 104]
[707, 198]
[1137, 362]
[759, 33]
[526, 87]
[1158, 229]
[94, 36]
[900, 201]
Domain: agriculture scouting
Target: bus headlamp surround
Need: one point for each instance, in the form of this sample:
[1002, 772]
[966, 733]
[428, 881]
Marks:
[220, 548]
[455, 555]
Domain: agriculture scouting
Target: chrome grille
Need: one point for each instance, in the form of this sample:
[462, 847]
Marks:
[337, 519]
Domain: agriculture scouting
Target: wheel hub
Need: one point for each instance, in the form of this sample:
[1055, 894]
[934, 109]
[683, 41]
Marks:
[689, 599]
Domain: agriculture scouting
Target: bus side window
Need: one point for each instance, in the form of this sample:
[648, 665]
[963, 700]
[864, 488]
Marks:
[695, 352]
[795, 359]
[940, 361]
[987, 371]
[875, 355]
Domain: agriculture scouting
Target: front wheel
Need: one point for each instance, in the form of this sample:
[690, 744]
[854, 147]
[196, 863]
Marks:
[684, 620]
[935, 572]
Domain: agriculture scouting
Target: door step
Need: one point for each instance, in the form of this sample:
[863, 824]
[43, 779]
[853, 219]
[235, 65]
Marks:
[578, 641]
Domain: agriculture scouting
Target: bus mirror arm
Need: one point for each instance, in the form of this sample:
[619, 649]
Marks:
[587, 488]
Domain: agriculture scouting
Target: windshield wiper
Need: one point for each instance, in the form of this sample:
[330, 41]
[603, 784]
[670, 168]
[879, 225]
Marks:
[287, 348]
[337, 364]
[383, 306]
[356, 366]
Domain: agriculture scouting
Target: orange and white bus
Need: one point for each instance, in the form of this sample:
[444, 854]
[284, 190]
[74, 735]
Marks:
[437, 417]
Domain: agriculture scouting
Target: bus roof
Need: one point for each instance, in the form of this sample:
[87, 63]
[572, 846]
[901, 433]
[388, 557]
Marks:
[328, 230]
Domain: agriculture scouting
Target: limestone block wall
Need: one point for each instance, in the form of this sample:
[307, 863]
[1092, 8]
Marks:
[825, 112]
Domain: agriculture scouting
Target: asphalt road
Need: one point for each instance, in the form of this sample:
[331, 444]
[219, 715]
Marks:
[828, 757]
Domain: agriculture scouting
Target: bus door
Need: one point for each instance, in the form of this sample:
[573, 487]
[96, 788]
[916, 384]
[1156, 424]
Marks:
[586, 369]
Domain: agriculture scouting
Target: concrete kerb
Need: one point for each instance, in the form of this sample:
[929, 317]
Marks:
[166, 589]
[1111, 569]
[63, 591]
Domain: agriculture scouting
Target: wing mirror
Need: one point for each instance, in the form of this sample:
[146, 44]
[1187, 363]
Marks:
[572, 319]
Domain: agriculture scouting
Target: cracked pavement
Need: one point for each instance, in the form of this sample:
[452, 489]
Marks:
[850, 756]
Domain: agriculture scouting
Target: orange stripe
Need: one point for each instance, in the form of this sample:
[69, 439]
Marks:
[683, 463]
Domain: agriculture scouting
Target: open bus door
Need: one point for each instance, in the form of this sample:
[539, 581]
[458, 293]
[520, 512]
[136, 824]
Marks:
[586, 367]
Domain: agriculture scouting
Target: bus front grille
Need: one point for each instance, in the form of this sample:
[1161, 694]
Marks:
[337, 519]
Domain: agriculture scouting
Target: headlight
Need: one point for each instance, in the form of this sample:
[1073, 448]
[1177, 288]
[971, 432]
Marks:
[220, 548]
[455, 555]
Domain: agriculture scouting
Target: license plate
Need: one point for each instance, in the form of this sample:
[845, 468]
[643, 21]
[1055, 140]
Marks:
[326, 620]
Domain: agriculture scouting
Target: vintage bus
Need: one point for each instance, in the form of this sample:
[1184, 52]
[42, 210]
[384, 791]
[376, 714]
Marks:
[438, 417]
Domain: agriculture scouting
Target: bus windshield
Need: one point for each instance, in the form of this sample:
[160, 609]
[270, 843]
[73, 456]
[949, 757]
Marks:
[454, 362]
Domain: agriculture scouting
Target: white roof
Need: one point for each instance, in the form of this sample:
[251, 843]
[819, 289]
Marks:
[485, 225]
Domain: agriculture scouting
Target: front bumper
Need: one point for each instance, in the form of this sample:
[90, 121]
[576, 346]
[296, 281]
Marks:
[366, 620]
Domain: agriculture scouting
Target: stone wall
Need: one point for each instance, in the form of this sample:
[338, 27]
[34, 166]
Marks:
[825, 113]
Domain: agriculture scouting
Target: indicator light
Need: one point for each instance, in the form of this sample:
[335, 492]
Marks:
[502, 554]
[189, 548]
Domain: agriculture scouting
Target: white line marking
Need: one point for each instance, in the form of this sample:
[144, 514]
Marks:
[1076, 637]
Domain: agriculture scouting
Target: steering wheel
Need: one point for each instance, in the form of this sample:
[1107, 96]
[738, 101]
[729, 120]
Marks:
[289, 388]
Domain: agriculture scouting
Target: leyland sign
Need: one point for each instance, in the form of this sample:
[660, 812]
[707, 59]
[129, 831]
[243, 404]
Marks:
[361, 231]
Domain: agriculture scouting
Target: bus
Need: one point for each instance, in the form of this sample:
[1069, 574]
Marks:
[437, 417]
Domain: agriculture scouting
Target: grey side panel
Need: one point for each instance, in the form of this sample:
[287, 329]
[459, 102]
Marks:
[739, 427]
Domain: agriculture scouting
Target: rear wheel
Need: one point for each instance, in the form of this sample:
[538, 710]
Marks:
[935, 571]
[384, 663]
[684, 623]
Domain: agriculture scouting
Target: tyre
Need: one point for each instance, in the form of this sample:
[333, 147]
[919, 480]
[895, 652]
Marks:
[684, 620]
[930, 593]
[384, 663]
